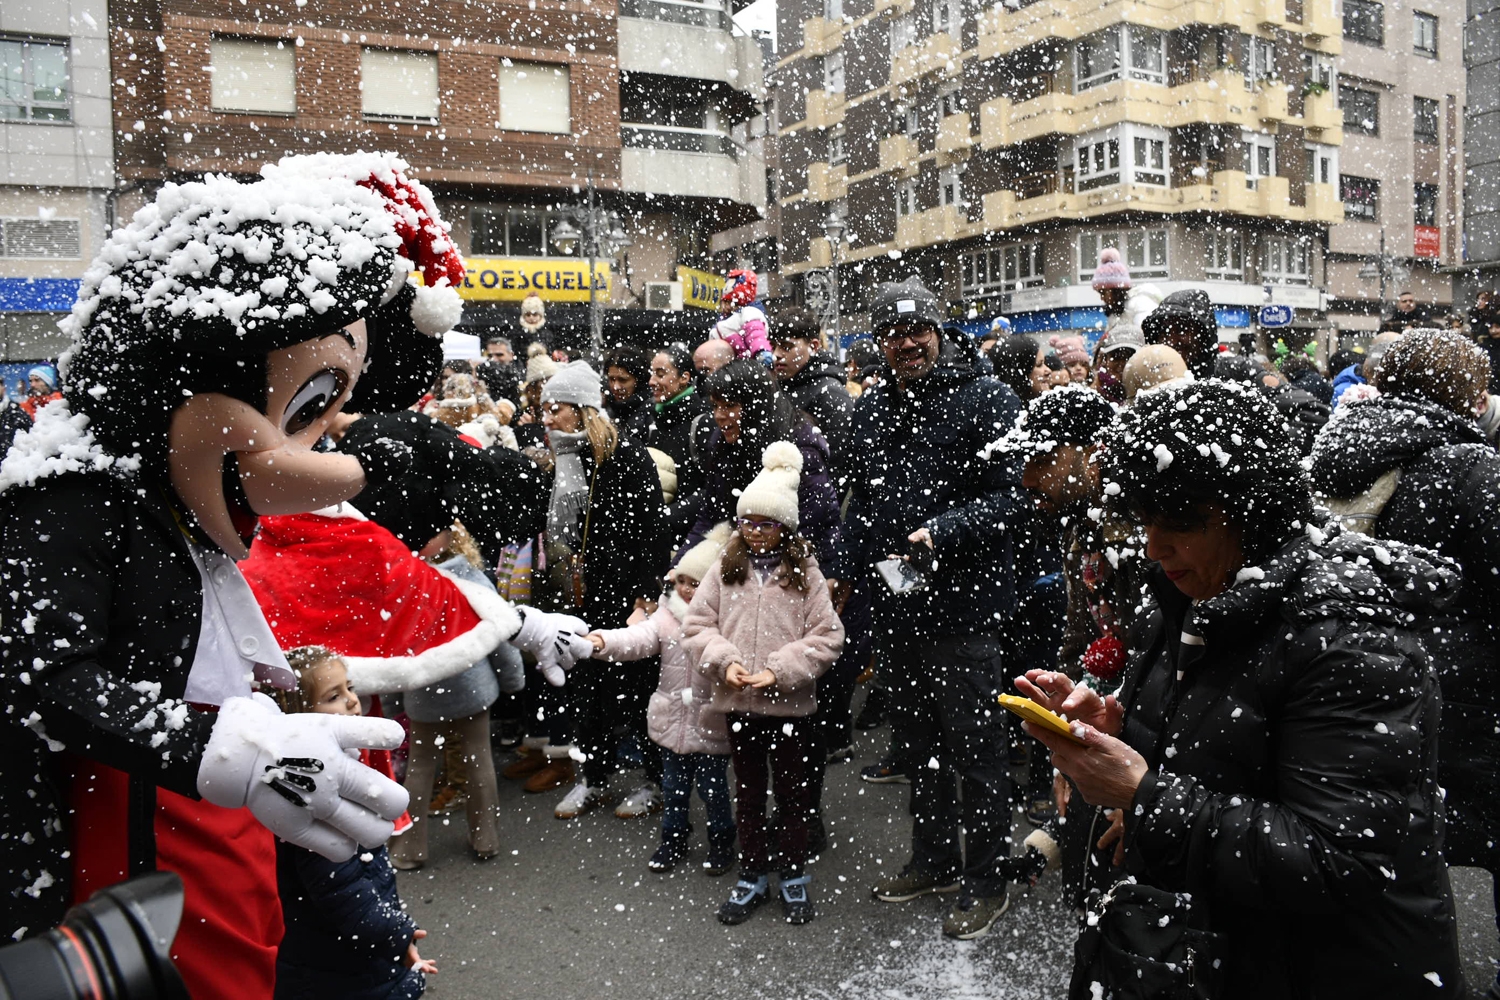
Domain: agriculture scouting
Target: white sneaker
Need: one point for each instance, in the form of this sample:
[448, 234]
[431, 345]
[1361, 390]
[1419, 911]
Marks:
[644, 800]
[579, 801]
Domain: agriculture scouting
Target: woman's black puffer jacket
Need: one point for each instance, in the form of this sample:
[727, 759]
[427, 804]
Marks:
[1292, 783]
[1447, 500]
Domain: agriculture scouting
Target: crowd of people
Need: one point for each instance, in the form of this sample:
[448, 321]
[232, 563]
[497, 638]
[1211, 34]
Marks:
[1248, 597]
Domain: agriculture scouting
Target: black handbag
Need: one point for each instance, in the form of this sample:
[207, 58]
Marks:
[1141, 942]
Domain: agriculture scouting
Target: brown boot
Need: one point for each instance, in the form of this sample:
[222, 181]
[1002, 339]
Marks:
[528, 763]
[557, 772]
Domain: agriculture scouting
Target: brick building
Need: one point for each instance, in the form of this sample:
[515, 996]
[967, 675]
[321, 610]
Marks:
[996, 150]
[505, 109]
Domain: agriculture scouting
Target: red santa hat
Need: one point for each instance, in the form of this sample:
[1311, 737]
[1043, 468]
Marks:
[350, 585]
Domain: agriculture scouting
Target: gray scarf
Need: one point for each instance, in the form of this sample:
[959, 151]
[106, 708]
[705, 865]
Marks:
[570, 492]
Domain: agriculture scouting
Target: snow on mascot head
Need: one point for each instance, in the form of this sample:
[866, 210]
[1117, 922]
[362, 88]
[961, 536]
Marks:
[219, 333]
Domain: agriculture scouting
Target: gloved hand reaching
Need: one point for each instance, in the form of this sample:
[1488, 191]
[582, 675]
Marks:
[293, 774]
[557, 641]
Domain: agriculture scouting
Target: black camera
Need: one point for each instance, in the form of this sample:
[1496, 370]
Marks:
[116, 946]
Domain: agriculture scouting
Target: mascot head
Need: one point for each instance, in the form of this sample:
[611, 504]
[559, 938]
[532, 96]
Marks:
[219, 333]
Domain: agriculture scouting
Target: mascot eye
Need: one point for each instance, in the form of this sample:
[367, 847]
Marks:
[313, 400]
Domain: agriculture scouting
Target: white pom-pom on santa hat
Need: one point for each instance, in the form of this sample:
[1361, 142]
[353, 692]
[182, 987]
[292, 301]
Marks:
[773, 493]
[435, 311]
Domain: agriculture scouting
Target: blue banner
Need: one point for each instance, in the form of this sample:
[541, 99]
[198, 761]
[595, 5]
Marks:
[38, 294]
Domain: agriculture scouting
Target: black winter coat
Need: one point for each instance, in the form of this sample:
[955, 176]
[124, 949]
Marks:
[432, 477]
[818, 390]
[1292, 783]
[1448, 500]
[914, 462]
[632, 417]
[101, 606]
[626, 550]
[346, 933]
[671, 431]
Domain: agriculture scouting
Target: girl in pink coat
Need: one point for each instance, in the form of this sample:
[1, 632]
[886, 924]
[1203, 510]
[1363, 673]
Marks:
[763, 629]
[693, 737]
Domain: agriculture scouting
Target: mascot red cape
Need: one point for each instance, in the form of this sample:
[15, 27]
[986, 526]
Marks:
[214, 340]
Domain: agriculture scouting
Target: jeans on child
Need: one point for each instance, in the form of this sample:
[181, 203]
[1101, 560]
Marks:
[679, 773]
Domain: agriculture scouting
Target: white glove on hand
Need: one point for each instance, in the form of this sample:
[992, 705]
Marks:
[294, 775]
[557, 641]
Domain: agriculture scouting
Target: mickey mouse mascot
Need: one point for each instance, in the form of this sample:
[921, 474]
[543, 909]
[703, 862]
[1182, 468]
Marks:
[214, 340]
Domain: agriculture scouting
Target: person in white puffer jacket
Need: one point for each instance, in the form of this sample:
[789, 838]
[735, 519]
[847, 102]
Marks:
[694, 739]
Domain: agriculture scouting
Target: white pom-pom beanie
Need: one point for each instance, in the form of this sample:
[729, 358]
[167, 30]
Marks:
[699, 559]
[773, 493]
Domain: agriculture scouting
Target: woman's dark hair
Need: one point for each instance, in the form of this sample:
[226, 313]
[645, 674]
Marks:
[1298, 362]
[795, 553]
[767, 415]
[798, 324]
[680, 356]
[1237, 368]
[1014, 357]
[633, 360]
[1184, 448]
[1341, 360]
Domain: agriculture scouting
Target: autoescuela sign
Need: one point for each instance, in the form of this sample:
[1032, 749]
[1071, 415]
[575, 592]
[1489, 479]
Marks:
[511, 279]
[700, 289]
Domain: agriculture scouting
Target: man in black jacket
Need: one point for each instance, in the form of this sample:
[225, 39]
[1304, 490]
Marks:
[813, 379]
[919, 487]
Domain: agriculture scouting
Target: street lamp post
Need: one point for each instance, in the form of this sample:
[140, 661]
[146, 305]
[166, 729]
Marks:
[565, 236]
[833, 229]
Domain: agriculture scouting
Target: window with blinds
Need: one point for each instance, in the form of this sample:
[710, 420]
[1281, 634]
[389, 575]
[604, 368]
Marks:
[535, 97]
[36, 238]
[254, 75]
[397, 84]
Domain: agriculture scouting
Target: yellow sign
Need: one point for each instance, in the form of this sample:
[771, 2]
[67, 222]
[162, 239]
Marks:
[701, 289]
[511, 279]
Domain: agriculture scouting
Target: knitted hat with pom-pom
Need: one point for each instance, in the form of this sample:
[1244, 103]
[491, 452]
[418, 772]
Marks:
[773, 493]
[696, 562]
[1111, 272]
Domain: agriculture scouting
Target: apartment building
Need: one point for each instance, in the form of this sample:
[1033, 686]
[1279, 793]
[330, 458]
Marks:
[1401, 94]
[996, 150]
[757, 243]
[1481, 255]
[509, 110]
[56, 169]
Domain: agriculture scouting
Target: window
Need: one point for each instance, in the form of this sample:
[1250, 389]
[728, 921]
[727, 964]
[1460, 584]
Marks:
[1320, 70]
[833, 72]
[511, 232]
[395, 84]
[1003, 269]
[1098, 157]
[1286, 260]
[1260, 158]
[910, 122]
[34, 81]
[950, 103]
[1262, 60]
[1103, 55]
[1361, 197]
[906, 198]
[1425, 205]
[1424, 39]
[836, 153]
[253, 76]
[35, 238]
[1322, 163]
[947, 17]
[1145, 252]
[1223, 255]
[903, 33]
[950, 187]
[535, 97]
[1424, 120]
[1364, 21]
[1361, 110]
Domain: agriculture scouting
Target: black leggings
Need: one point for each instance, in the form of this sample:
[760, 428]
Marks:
[772, 753]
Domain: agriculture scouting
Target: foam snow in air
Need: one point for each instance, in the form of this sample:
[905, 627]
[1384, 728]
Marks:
[58, 442]
[1163, 457]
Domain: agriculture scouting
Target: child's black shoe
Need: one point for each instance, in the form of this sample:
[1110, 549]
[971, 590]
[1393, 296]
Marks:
[746, 895]
[721, 855]
[673, 849]
[795, 904]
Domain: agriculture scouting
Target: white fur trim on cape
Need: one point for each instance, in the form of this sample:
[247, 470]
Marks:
[384, 675]
[436, 310]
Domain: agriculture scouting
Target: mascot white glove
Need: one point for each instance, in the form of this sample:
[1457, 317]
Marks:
[557, 641]
[294, 775]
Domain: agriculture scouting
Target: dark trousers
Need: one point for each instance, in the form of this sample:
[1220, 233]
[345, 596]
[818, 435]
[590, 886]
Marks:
[833, 721]
[710, 773]
[950, 736]
[772, 754]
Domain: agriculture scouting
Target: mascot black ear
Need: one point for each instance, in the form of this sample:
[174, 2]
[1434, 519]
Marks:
[402, 362]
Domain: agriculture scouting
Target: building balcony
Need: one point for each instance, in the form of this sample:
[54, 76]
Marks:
[937, 53]
[826, 183]
[691, 40]
[899, 153]
[1040, 197]
[690, 162]
[1324, 204]
[821, 36]
[824, 109]
[954, 139]
[1321, 113]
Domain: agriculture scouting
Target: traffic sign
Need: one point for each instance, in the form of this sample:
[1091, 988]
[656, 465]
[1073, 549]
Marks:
[1274, 316]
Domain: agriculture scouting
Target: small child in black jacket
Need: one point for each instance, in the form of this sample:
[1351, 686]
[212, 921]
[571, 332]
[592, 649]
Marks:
[347, 935]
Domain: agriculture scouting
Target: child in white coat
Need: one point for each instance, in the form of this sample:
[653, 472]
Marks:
[693, 738]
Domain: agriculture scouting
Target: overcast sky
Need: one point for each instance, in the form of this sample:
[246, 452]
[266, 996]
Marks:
[759, 16]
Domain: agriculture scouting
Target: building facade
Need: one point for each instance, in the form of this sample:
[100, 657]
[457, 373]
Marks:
[509, 111]
[996, 151]
[1481, 152]
[56, 169]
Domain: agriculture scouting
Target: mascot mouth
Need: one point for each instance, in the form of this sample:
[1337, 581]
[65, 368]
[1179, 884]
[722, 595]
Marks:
[236, 504]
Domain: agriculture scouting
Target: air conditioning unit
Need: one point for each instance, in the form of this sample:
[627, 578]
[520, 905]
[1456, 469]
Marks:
[664, 295]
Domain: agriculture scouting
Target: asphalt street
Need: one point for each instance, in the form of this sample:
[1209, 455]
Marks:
[569, 911]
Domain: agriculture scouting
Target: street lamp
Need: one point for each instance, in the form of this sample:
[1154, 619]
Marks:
[602, 234]
[833, 229]
[1385, 268]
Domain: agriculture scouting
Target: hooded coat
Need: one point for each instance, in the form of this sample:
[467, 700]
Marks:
[818, 390]
[913, 462]
[1447, 500]
[1193, 306]
[1292, 772]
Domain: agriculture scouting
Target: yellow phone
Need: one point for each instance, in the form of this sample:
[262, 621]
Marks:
[1044, 717]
